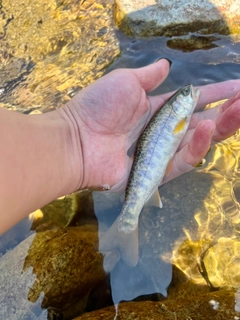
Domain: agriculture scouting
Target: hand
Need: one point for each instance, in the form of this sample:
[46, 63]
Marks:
[111, 113]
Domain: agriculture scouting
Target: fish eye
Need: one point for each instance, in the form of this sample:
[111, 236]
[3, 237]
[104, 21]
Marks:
[186, 90]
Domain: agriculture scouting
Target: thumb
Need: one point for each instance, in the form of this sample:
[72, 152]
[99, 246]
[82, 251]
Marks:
[153, 75]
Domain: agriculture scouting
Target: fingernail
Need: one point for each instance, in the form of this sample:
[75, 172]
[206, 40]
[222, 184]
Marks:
[201, 163]
[169, 61]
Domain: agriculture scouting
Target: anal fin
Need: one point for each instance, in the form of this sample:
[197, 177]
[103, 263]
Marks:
[154, 200]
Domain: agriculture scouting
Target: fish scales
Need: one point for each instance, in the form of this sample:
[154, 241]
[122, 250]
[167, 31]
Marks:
[155, 148]
[148, 167]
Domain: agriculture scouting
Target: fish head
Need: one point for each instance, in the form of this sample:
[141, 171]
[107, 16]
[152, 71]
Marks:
[186, 100]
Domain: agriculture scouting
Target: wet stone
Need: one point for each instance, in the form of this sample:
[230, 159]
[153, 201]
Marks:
[213, 305]
[174, 18]
[192, 43]
[51, 269]
[71, 210]
[188, 258]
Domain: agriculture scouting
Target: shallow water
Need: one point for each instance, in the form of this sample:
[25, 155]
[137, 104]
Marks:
[199, 207]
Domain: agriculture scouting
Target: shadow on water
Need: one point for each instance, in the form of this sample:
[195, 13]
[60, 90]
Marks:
[61, 266]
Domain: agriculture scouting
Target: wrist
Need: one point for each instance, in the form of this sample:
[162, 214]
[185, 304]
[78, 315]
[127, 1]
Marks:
[39, 163]
[71, 166]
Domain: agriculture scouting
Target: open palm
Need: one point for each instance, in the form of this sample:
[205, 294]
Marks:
[112, 112]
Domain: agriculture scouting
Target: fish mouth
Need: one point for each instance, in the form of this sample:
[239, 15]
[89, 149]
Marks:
[189, 90]
[195, 93]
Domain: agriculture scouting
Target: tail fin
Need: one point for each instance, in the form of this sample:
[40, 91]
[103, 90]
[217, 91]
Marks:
[125, 243]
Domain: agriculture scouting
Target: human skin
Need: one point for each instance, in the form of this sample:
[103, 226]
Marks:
[84, 144]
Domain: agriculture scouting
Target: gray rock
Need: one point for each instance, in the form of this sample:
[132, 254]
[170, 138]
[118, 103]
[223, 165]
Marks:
[14, 286]
[174, 18]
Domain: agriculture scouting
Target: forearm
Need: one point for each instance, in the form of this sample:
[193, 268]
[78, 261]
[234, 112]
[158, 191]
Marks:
[37, 163]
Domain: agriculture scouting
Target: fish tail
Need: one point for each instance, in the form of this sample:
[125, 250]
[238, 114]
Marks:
[126, 244]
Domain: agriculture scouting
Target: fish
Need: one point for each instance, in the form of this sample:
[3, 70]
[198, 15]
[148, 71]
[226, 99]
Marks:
[154, 150]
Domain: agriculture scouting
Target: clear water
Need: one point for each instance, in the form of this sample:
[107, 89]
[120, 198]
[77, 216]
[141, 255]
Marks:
[199, 208]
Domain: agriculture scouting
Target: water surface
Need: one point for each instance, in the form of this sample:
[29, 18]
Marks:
[65, 46]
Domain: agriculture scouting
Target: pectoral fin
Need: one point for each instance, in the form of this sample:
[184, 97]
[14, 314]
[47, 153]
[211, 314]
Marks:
[125, 243]
[180, 126]
[154, 200]
[132, 149]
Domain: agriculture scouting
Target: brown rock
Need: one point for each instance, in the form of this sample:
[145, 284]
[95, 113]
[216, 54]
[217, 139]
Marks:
[71, 210]
[213, 305]
[65, 264]
[55, 268]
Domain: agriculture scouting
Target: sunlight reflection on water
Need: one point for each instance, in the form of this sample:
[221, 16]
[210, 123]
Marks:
[201, 208]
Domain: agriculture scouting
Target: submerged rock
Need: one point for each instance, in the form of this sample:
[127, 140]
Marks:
[188, 258]
[215, 264]
[192, 43]
[222, 263]
[71, 210]
[174, 18]
[213, 305]
[14, 285]
[52, 49]
[52, 269]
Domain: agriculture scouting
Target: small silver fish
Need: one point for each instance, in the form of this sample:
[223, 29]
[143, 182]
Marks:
[155, 149]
